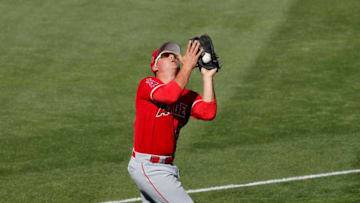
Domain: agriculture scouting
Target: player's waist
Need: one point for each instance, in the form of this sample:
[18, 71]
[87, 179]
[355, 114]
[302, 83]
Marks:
[153, 158]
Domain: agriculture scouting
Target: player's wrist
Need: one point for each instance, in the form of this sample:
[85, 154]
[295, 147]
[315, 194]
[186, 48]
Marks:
[187, 67]
[207, 77]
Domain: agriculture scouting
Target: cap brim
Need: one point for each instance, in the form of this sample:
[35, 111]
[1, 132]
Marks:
[169, 47]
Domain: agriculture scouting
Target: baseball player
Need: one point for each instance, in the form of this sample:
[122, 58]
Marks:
[163, 107]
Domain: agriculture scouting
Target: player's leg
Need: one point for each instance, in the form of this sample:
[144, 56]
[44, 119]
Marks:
[147, 192]
[163, 181]
[145, 198]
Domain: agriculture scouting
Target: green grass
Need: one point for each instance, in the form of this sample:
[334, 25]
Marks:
[287, 97]
[346, 189]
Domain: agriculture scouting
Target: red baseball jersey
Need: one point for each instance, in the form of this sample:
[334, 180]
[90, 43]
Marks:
[161, 111]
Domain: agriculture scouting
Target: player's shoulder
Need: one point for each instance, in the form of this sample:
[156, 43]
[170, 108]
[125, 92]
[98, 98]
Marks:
[150, 81]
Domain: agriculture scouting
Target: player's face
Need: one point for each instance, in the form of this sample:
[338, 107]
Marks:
[168, 60]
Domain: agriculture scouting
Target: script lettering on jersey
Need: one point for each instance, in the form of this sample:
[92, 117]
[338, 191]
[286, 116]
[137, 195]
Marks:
[151, 82]
[177, 109]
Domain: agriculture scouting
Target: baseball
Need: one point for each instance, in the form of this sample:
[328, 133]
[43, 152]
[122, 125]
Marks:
[206, 58]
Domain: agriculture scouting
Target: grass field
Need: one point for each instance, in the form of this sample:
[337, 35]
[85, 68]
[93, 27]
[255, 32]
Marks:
[288, 97]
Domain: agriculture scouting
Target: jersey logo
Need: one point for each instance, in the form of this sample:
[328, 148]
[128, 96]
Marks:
[162, 112]
[177, 109]
[151, 82]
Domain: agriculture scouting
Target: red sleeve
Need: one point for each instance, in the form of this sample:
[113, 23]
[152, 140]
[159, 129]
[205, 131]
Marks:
[152, 89]
[203, 110]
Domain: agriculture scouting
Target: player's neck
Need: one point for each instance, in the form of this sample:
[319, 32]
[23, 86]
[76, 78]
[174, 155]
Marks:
[165, 77]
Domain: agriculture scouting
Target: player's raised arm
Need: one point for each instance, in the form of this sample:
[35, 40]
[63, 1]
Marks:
[205, 107]
[208, 85]
[188, 61]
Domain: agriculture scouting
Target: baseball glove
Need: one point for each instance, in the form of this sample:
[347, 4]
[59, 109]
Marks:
[208, 58]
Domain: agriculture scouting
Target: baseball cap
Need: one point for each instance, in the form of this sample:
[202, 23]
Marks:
[167, 47]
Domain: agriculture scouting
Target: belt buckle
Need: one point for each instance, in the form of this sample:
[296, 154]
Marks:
[155, 159]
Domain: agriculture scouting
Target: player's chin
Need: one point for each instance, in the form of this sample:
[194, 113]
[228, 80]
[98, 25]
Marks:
[175, 66]
[175, 63]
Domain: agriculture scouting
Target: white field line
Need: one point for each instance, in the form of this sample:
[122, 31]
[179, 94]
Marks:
[255, 183]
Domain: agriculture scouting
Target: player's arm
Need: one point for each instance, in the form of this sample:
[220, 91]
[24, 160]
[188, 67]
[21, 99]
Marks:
[166, 93]
[204, 110]
[208, 84]
[188, 61]
[205, 107]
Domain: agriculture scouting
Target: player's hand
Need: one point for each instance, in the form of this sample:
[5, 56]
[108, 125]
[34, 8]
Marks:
[208, 73]
[191, 56]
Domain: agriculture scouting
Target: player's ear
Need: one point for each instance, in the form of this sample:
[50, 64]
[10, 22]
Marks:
[155, 68]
